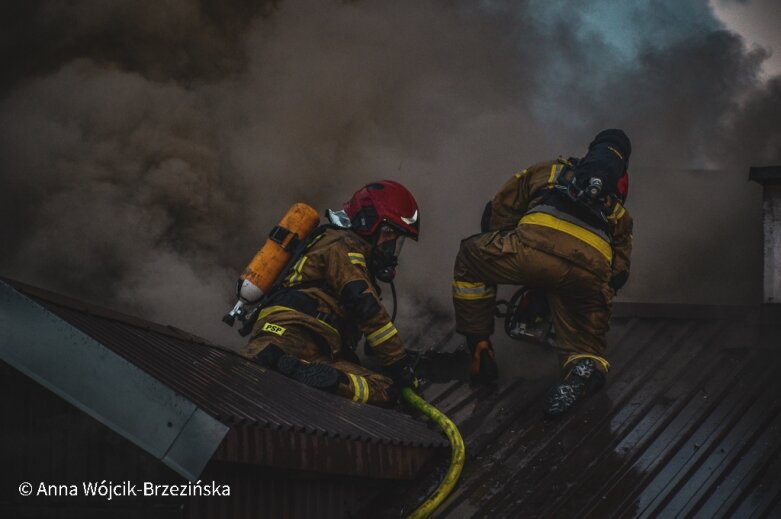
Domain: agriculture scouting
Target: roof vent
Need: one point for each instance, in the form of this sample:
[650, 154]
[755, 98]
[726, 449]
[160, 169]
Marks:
[770, 178]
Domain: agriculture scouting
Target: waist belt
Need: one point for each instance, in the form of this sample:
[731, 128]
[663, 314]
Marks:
[295, 300]
[548, 216]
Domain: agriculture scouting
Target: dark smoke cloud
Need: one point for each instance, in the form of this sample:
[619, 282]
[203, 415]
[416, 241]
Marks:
[146, 152]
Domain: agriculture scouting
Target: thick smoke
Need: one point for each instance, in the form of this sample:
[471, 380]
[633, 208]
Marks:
[145, 153]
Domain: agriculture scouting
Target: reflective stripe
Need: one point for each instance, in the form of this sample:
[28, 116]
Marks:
[356, 258]
[522, 173]
[618, 212]
[601, 360]
[315, 240]
[360, 388]
[377, 337]
[471, 291]
[295, 275]
[561, 215]
[364, 388]
[554, 169]
[611, 148]
[273, 309]
[586, 236]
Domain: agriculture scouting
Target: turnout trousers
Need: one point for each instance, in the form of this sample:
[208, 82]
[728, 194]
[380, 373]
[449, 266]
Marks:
[579, 300]
[358, 383]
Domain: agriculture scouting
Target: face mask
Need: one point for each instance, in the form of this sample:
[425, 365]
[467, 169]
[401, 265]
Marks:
[385, 258]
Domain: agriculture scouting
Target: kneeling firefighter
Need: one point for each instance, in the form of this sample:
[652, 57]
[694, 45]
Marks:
[310, 325]
[559, 226]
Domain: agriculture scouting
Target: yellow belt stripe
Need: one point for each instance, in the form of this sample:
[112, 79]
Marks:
[273, 309]
[572, 358]
[381, 335]
[588, 237]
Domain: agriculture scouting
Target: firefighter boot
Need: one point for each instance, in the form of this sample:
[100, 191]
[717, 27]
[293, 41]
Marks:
[321, 376]
[482, 366]
[582, 379]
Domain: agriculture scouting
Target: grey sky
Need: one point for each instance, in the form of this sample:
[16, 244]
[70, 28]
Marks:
[758, 22]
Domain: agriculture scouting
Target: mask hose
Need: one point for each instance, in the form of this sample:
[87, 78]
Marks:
[395, 305]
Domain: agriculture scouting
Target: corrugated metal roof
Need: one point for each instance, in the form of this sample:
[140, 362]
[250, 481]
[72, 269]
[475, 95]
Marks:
[689, 424]
[229, 387]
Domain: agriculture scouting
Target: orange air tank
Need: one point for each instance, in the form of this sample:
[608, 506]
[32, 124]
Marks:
[264, 269]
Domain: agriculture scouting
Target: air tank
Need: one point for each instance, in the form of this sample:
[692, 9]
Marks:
[264, 269]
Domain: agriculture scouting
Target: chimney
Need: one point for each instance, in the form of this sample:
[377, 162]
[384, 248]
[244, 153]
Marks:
[770, 178]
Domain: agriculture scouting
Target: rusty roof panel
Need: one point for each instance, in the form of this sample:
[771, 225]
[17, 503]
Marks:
[229, 387]
[689, 425]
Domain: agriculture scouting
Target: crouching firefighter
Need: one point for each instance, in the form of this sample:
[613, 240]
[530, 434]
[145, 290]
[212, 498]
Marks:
[559, 226]
[309, 326]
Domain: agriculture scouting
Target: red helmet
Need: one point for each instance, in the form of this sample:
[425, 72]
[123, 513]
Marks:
[383, 202]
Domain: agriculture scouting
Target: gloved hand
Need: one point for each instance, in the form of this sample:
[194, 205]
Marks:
[403, 373]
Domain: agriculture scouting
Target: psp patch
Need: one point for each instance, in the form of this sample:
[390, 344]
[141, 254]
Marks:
[274, 328]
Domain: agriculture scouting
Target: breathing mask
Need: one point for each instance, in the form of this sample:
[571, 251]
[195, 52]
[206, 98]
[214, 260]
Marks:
[385, 253]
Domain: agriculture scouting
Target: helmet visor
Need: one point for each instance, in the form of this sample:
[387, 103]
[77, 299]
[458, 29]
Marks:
[390, 240]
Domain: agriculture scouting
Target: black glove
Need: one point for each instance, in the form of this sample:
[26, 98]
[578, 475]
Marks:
[618, 280]
[403, 373]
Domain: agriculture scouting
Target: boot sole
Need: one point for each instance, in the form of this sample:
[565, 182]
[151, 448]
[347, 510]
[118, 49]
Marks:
[563, 397]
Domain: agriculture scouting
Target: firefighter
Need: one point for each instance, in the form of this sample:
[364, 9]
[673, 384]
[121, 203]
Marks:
[311, 326]
[560, 226]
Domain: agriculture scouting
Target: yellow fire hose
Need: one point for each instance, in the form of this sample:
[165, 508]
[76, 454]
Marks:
[456, 461]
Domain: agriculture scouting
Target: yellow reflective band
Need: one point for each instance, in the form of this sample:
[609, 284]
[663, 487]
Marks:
[522, 173]
[588, 237]
[356, 386]
[377, 337]
[296, 276]
[360, 388]
[356, 258]
[618, 212]
[273, 309]
[611, 148]
[274, 328]
[364, 389]
[601, 360]
[552, 176]
[315, 240]
[471, 291]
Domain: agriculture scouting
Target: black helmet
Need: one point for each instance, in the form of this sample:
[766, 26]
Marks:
[604, 169]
